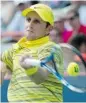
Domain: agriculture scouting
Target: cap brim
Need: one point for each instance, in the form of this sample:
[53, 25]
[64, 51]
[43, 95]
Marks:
[26, 11]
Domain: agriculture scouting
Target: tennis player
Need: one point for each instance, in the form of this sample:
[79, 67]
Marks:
[33, 84]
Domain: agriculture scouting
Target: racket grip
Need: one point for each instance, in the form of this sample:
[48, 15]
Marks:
[32, 62]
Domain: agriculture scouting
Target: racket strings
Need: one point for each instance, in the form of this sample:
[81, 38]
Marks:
[69, 57]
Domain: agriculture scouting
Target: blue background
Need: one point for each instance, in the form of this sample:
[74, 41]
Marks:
[68, 95]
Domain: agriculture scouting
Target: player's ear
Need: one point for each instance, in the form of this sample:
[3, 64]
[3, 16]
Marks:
[48, 29]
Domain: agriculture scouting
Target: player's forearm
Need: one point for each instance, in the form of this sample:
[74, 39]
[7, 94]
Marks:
[33, 69]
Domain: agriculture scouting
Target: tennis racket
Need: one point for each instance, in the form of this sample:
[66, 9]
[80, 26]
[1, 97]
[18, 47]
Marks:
[70, 54]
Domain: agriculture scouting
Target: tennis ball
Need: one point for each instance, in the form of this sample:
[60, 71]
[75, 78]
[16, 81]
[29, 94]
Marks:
[73, 69]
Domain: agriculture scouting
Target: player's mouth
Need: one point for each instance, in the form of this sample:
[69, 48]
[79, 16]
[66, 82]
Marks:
[29, 30]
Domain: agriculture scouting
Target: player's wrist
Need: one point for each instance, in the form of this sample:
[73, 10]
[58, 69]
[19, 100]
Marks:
[31, 71]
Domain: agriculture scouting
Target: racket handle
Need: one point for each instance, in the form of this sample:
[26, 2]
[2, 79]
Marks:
[32, 62]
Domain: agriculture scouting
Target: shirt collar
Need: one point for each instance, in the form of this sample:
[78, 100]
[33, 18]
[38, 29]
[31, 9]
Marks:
[25, 43]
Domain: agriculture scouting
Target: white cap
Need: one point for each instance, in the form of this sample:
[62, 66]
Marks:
[69, 9]
[58, 14]
[61, 13]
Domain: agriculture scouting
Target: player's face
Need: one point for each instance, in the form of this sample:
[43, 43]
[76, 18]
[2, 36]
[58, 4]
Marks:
[35, 27]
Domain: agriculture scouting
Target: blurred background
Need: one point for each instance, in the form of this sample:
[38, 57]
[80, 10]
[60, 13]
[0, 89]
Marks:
[69, 27]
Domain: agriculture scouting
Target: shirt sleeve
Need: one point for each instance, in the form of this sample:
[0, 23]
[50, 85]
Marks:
[7, 58]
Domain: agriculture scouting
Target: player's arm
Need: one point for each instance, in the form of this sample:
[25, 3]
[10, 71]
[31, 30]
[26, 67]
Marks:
[36, 74]
[6, 64]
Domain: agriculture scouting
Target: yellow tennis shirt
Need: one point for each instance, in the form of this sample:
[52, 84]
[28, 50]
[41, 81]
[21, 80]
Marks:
[21, 88]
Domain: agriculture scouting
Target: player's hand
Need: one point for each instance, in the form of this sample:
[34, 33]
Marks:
[24, 64]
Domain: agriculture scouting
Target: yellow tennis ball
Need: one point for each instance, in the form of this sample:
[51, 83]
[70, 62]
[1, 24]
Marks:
[73, 69]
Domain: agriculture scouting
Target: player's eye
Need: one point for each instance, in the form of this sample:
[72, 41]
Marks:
[36, 21]
[28, 19]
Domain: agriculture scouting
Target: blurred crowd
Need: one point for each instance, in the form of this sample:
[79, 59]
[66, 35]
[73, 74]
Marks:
[69, 21]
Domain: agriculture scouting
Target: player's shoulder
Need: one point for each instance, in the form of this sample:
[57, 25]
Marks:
[16, 47]
[51, 44]
[48, 46]
[20, 43]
